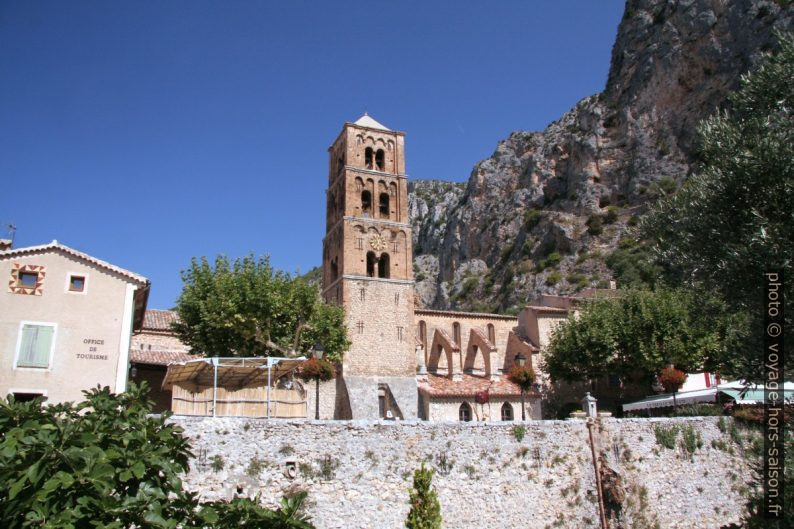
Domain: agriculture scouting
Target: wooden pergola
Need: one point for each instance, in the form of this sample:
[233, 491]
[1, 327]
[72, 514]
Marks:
[235, 382]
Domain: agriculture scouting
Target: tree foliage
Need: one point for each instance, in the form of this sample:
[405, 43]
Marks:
[246, 308]
[106, 462]
[734, 219]
[425, 510]
[634, 335]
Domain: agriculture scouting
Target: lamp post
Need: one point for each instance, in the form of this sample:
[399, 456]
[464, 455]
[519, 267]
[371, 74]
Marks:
[319, 350]
[520, 361]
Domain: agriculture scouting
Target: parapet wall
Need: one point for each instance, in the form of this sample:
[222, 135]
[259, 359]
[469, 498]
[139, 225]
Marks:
[358, 473]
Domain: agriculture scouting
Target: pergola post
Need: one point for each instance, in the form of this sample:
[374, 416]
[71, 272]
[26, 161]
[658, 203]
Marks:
[214, 386]
[268, 387]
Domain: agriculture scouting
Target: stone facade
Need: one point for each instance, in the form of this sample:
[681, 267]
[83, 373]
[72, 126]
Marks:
[71, 331]
[367, 268]
[358, 473]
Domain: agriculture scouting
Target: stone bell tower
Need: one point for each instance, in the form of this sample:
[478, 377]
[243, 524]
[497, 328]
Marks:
[368, 268]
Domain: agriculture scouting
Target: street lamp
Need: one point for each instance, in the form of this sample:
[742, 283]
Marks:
[520, 361]
[319, 350]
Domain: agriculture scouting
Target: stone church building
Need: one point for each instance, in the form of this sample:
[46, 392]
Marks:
[404, 362]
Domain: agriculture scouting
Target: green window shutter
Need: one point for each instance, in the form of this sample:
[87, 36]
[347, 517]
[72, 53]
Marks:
[35, 346]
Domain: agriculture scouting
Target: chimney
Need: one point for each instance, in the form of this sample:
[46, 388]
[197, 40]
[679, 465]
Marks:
[5, 244]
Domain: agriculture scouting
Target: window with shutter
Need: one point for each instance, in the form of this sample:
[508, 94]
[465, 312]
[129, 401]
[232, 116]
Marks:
[35, 345]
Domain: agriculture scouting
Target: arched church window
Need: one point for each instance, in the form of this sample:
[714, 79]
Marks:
[456, 332]
[340, 164]
[371, 260]
[366, 202]
[384, 205]
[491, 334]
[383, 266]
[507, 412]
[464, 412]
[334, 270]
[368, 157]
[380, 160]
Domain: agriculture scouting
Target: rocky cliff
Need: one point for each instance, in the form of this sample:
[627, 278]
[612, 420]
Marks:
[542, 213]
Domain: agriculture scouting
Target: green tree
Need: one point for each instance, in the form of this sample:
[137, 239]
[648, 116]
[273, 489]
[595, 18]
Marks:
[106, 462]
[246, 308]
[635, 335]
[734, 219]
[425, 510]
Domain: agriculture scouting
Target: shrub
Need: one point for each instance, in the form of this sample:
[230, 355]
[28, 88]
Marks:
[255, 467]
[666, 436]
[217, 463]
[425, 510]
[691, 439]
[532, 218]
[106, 462]
[519, 430]
[328, 466]
[595, 225]
[611, 215]
[699, 410]
[553, 278]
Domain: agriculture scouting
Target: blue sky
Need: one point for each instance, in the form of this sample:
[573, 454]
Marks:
[148, 132]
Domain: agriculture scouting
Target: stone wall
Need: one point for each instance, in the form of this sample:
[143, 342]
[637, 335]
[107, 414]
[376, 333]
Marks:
[157, 341]
[468, 359]
[358, 473]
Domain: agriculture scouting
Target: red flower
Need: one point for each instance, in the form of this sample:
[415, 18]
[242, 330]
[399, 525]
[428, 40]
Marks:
[523, 377]
[672, 379]
[313, 368]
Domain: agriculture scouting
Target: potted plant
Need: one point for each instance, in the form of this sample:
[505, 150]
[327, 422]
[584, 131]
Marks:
[671, 380]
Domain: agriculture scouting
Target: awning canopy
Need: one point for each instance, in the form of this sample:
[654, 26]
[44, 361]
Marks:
[736, 392]
[666, 400]
[230, 371]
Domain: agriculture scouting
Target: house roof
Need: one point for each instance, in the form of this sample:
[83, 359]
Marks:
[367, 121]
[160, 358]
[459, 314]
[159, 320]
[58, 247]
[469, 386]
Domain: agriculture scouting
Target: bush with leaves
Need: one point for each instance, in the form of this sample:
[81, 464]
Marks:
[104, 462]
[247, 308]
[733, 219]
[635, 335]
[425, 510]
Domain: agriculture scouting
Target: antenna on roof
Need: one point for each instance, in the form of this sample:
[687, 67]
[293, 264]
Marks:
[7, 242]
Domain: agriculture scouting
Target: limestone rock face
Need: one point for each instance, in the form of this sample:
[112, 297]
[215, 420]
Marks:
[518, 227]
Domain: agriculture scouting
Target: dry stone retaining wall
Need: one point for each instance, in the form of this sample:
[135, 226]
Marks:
[358, 473]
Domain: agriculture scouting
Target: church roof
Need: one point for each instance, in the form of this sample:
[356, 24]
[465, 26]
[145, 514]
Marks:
[469, 385]
[367, 121]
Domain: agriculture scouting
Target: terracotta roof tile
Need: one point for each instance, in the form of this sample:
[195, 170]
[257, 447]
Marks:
[469, 386]
[160, 358]
[56, 246]
[159, 320]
